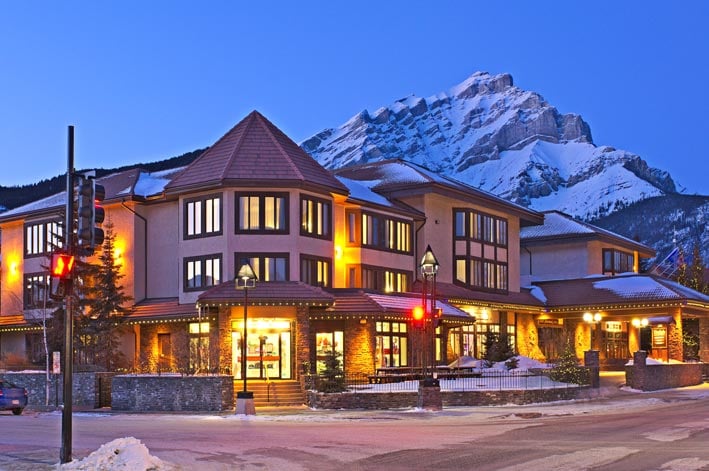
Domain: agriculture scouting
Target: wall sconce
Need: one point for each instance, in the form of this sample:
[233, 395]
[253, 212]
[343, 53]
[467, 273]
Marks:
[639, 323]
[363, 321]
[338, 252]
[592, 318]
[484, 315]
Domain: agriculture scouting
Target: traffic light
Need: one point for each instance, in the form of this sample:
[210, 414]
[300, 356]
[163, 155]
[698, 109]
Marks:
[437, 313]
[62, 265]
[418, 317]
[90, 213]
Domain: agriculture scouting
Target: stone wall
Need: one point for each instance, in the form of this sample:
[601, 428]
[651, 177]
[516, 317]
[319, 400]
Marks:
[87, 388]
[148, 393]
[359, 347]
[402, 400]
[653, 377]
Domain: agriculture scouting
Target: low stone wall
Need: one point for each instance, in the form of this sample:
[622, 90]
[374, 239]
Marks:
[150, 393]
[86, 387]
[401, 400]
[646, 377]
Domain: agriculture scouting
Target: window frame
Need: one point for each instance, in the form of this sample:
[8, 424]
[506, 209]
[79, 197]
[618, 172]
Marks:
[257, 267]
[262, 196]
[28, 302]
[318, 215]
[616, 261]
[50, 240]
[380, 276]
[387, 233]
[201, 203]
[481, 227]
[314, 272]
[204, 274]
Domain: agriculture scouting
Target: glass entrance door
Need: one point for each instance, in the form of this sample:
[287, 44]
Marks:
[268, 350]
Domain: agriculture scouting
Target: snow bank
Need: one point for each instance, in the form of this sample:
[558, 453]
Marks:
[120, 454]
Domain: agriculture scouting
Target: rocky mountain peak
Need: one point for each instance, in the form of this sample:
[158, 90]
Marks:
[489, 133]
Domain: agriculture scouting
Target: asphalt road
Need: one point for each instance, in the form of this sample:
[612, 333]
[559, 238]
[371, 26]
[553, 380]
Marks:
[662, 431]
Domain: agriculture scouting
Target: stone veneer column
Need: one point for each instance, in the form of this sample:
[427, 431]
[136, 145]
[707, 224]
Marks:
[359, 347]
[704, 339]
[224, 339]
[302, 339]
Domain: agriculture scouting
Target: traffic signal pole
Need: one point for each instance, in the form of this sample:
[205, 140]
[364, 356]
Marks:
[65, 452]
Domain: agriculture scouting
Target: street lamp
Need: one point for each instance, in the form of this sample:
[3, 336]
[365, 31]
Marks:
[639, 324]
[429, 268]
[245, 279]
[594, 320]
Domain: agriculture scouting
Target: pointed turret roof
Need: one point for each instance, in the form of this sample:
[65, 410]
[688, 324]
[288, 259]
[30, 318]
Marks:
[255, 153]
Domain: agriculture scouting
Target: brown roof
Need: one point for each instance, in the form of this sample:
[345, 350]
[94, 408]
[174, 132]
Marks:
[267, 292]
[161, 308]
[14, 322]
[254, 152]
[460, 295]
[618, 292]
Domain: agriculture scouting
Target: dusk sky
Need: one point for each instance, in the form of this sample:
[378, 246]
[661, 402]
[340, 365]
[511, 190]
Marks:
[148, 80]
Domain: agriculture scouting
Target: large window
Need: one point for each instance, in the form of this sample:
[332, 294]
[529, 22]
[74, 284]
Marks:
[267, 266]
[203, 216]
[385, 279]
[43, 237]
[315, 217]
[36, 292]
[391, 344]
[615, 261]
[315, 271]
[262, 212]
[474, 225]
[202, 272]
[479, 273]
[381, 232]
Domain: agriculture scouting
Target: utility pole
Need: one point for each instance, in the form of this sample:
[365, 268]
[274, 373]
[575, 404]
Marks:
[65, 452]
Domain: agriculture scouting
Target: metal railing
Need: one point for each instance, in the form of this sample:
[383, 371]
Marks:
[481, 380]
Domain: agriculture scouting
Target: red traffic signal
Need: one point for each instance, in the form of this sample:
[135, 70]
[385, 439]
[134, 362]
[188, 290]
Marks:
[418, 316]
[62, 265]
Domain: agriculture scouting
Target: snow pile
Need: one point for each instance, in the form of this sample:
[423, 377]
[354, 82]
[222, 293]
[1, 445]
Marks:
[120, 454]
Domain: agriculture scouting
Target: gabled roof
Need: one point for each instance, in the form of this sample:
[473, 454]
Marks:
[254, 153]
[397, 178]
[283, 293]
[460, 295]
[621, 291]
[560, 226]
[161, 309]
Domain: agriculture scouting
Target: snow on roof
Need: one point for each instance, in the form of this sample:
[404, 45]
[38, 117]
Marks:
[407, 303]
[635, 287]
[555, 224]
[538, 293]
[150, 184]
[362, 190]
[49, 202]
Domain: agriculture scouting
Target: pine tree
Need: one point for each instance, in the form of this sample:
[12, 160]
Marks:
[567, 369]
[696, 271]
[333, 378]
[497, 348]
[106, 301]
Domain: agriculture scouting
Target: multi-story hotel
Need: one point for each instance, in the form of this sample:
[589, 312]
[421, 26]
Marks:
[337, 258]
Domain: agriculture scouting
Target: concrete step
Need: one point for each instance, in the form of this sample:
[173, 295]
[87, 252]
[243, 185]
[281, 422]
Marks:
[274, 393]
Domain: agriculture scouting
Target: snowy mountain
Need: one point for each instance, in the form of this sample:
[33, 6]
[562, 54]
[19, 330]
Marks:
[490, 134]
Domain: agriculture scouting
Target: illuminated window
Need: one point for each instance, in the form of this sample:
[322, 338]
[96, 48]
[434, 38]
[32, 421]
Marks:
[473, 225]
[315, 217]
[385, 279]
[487, 275]
[267, 266]
[315, 271]
[616, 261]
[43, 238]
[264, 213]
[203, 216]
[202, 272]
[384, 233]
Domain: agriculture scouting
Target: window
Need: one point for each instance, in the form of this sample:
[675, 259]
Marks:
[315, 217]
[391, 344]
[203, 216]
[315, 271]
[36, 292]
[474, 272]
[477, 226]
[267, 266]
[264, 213]
[42, 238]
[385, 279]
[199, 346]
[384, 233]
[202, 272]
[616, 261]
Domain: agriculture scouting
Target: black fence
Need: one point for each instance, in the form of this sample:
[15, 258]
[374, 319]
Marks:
[408, 381]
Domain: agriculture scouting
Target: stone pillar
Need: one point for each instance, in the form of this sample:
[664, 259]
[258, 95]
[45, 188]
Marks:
[591, 360]
[430, 394]
[638, 372]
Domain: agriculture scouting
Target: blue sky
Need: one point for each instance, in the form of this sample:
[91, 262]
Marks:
[147, 80]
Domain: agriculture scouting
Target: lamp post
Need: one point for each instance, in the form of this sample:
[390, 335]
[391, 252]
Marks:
[245, 279]
[429, 268]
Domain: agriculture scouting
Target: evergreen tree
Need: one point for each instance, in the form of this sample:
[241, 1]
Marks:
[333, 377]
[497, 348]
[692, 276]
[567, 369]
[105, 299]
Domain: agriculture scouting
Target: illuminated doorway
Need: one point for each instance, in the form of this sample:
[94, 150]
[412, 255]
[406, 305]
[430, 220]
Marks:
[268, 351]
